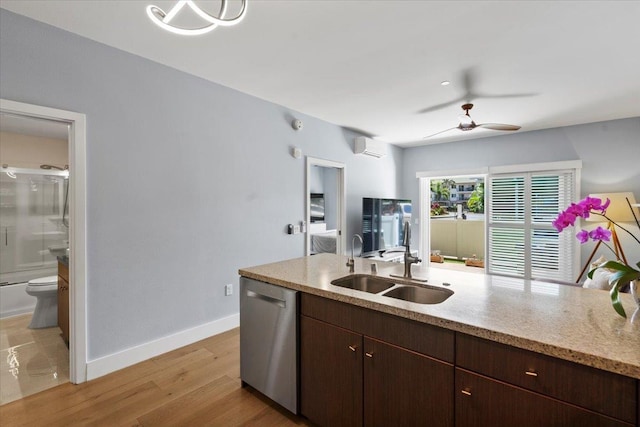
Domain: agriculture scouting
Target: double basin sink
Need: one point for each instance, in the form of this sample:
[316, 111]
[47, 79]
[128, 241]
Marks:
[398, 289]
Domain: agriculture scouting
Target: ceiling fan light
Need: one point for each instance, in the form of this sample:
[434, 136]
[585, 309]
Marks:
[465, 119]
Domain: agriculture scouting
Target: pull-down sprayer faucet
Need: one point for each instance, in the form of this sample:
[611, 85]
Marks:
[408, 258]
[351, 261]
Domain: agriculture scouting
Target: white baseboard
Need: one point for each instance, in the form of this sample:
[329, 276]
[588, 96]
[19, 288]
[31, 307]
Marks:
[113, 362]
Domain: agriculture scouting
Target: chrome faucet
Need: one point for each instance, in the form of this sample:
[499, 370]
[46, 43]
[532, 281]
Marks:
[408, 258]
[351, 261]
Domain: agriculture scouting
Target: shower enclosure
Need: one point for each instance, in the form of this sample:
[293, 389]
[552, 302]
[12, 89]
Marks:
[33, 222]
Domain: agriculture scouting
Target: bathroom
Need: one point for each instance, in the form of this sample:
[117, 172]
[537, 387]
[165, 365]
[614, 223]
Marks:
[34, 221]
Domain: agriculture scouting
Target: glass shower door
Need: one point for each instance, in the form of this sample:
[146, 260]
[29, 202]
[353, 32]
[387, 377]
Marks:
[31, 208]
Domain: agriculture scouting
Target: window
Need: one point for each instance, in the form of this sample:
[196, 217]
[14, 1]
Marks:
[522, 241]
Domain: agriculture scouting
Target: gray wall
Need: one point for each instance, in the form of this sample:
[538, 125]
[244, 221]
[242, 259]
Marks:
[187, 180]
[610, 154]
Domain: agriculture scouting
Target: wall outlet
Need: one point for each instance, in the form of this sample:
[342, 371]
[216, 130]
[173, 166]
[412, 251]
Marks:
[228, 289]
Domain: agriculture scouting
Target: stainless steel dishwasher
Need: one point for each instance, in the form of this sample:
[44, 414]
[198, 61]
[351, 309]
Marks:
[268, 341]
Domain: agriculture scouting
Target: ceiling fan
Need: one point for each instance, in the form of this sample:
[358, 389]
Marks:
[467, 123]
[468, 82]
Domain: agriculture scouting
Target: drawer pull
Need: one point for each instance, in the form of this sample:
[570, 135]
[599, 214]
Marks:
[353, 347]
[531, 373]
[466, 392]
[368, 354]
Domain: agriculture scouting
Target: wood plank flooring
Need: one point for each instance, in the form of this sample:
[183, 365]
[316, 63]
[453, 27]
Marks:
[196, 385]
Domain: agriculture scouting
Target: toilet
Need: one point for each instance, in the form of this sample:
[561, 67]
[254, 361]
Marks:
[45, 289]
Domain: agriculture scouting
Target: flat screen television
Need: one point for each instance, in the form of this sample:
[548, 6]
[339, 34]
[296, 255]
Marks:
[383, 223]
[317, 207]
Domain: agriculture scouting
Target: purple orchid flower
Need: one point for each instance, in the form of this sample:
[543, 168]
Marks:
[600, 234]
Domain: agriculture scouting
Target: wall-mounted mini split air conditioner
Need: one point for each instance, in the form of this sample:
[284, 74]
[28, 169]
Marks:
[369, 147]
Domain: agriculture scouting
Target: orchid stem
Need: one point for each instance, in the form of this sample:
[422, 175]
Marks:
[632, 212]
[618, 225]
[611, 249]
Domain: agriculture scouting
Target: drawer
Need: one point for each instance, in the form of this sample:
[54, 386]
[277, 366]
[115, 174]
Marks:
[594, 389]
[482, 401]
[419, 337]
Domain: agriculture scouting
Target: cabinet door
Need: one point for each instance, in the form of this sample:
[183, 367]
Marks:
[559, 379]
[481, 401]
[404, 388]
[330, 374]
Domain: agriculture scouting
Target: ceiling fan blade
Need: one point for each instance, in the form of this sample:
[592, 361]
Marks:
[498, 126]
[507, 95]
[467, 82]
[442, 131]
[439, 106]
[469, 77]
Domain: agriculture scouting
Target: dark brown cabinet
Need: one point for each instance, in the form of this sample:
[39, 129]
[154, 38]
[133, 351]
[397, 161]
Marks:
[351, 377]
[330, 374]
[482, 401]
[363, 367]
[501, 385]
[404, 388]
[63, 300]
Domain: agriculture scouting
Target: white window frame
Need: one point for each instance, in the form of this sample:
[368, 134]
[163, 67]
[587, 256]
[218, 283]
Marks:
[530, 170]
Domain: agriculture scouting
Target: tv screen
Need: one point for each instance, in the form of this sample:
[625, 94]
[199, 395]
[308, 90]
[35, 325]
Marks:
[317, 207]
[383, 223]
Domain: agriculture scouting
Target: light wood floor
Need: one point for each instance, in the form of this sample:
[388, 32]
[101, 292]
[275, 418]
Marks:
[197, 385]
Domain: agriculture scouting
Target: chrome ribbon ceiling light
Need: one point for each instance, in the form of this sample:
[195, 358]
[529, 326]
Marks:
[163, 19]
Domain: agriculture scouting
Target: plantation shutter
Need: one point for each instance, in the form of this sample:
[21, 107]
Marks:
[522, 241]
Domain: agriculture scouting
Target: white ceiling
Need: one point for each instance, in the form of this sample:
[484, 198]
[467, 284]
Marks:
[376, 66]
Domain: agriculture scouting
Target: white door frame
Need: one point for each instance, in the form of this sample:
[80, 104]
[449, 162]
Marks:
[77, 226]
[341, 202]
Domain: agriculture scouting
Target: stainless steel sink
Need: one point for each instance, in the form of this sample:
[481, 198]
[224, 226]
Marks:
[420, 295]
[361, 282]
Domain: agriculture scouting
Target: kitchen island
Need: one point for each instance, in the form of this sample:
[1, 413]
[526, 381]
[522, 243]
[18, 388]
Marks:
[487, 324]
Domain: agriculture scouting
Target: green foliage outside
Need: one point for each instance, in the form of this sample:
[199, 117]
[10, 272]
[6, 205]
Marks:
[475, 203]
[441, 189]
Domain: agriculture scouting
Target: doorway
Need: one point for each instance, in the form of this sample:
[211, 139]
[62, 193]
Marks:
[453, 217]
[325, 207]
[76, 123]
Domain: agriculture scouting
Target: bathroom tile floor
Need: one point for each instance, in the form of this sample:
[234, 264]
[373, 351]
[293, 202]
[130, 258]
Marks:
[31, 360]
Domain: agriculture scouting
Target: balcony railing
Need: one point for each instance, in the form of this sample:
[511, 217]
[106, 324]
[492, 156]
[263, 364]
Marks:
[457, 238]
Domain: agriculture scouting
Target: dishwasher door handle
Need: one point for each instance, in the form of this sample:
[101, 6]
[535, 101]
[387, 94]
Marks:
[266, 298]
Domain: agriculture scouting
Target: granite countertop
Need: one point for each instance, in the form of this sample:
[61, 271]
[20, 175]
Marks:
[563, 321]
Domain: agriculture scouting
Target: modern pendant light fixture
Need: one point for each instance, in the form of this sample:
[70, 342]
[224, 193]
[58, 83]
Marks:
[163, 19]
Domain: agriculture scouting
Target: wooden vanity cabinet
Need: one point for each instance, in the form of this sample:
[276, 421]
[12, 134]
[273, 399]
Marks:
[501, 385]
[63, 300]
[361, 367]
